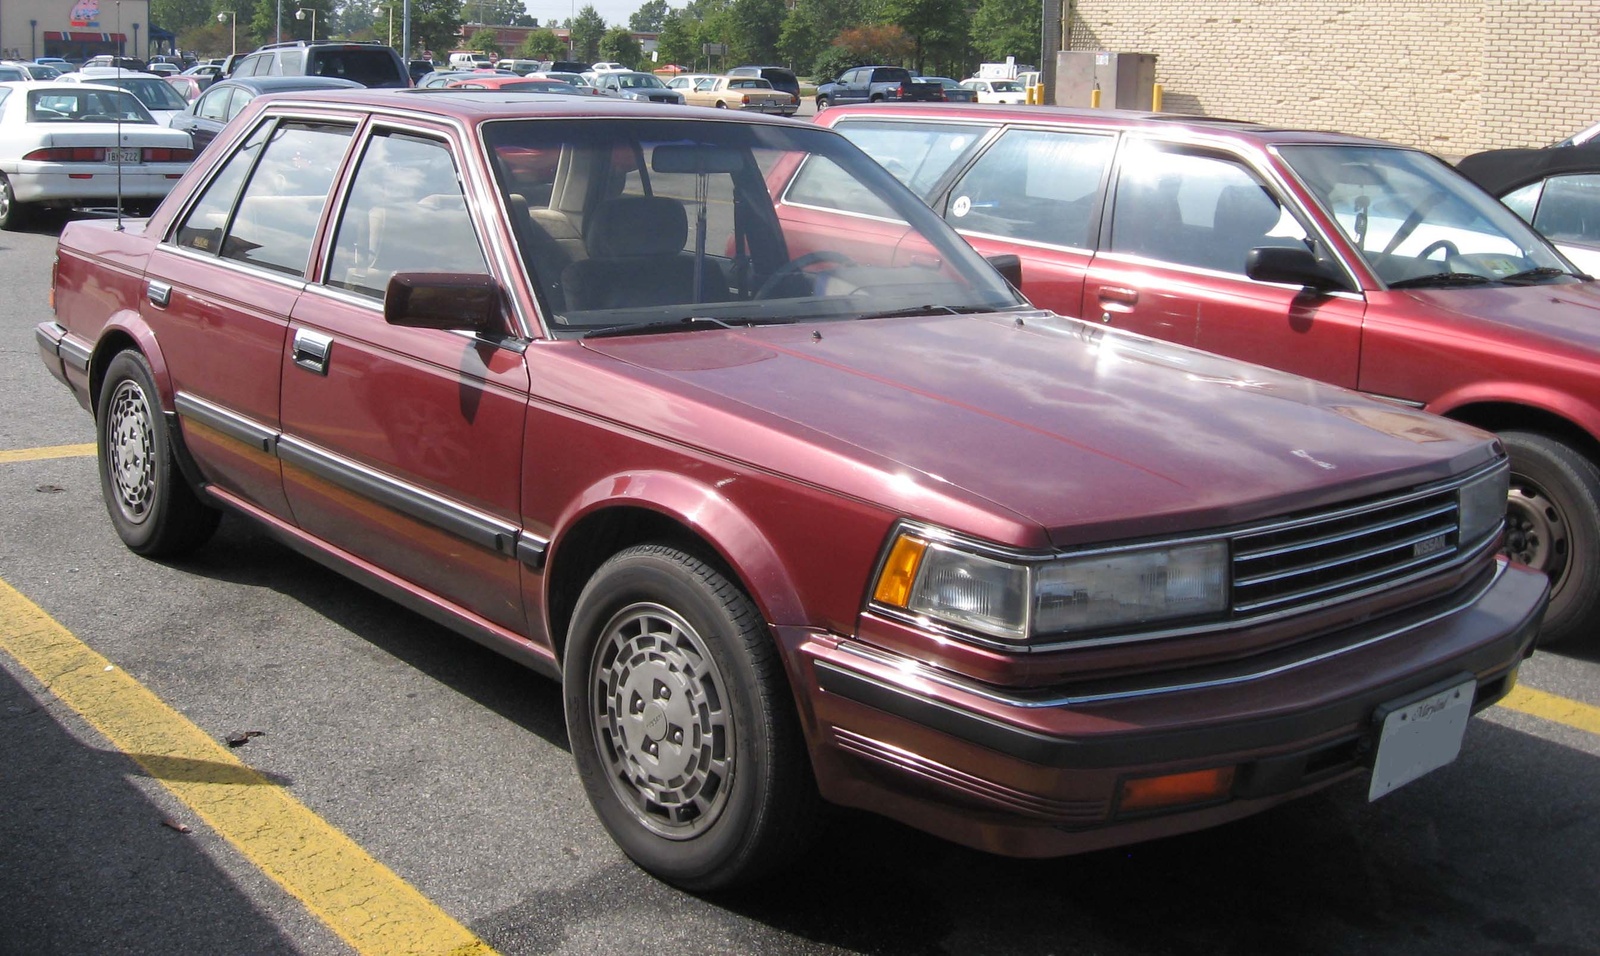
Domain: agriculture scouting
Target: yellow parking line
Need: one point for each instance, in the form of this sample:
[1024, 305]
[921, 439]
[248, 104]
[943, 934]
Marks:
[40, 454]
[360, 899]
[1571, 713]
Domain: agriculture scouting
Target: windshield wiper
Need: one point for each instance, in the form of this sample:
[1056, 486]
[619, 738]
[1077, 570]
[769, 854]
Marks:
[686, 324]
[1441, 278]
[1538, 272]
[929, 309]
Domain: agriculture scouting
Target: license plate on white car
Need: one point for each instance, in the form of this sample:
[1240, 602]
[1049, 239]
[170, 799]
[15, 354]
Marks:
[123, 155]
[1420, 735]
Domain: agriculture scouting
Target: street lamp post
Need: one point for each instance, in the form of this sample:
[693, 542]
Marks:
[300, 14]
[231, 16]
[136, 41]
[33, 39]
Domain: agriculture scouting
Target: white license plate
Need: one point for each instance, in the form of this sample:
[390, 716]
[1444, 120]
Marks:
[1419, 736]
[123, 155]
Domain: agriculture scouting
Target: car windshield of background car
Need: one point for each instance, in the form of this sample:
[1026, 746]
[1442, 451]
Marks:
[1414, 220]
[156, 94]
[654, 199]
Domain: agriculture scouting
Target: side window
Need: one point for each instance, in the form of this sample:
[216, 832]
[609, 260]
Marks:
[1523, 201]
[820, 182]
[249, 66]
[1570, 209]
[213, 105]
[239, 100]
[1035, 186]
[405, 213]
[275, 219]
[203, 228]
[918, 154]
[1194, 209]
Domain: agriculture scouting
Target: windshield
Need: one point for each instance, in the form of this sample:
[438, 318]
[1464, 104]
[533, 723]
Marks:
[1416, 221]
[155, 94]
[627, 224]
[639, 81]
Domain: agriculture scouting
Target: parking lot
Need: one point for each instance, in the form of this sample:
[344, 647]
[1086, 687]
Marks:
[392, 787]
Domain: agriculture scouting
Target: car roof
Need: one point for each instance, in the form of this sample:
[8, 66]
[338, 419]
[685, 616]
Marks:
[1241, 130]
[1499, 171]
[470, 106]
[286, 84]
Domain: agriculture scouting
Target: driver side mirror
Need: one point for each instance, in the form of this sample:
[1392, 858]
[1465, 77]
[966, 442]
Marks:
[1293, 265]
[452, 301]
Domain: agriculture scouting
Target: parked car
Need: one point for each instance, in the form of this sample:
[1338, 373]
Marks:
[631, 85]
[781, 78]
[225, 99]
[61, 64]
[521, 67]
[684, 82]
[577, 80]
[1557, 190]
[954, 92]
[877, 84]
[1355, 261]
[75, 144]
[368, 63]
[514, 84]
[188, 87]
[795, 505]
[163, 69]
[1582, 136]
[441, 78]
[155, 93]
[106, 61]
[750, 93]
[997, 91]
[419, 68]
[14, 70]
[607, 66]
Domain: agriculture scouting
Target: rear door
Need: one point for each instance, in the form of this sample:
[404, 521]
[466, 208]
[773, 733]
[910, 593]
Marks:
[1171, 264]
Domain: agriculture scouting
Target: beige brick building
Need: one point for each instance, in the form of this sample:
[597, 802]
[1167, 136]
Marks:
[1451, 76]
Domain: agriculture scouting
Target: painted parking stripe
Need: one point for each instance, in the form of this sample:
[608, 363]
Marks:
[42, 454]
[1569, 713]
[360, 899]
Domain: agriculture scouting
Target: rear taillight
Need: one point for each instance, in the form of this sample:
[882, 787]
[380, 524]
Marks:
[68, 154]
[164, 154]
[744, 99]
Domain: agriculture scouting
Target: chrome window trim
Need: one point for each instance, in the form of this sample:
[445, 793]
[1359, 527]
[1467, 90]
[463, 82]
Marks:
[917, 669]
[297, 283]
[1466, 553]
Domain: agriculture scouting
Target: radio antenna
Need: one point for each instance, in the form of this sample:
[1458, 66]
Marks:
[117, 149]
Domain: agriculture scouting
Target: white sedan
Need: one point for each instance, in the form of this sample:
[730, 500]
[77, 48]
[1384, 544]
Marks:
[997, 91]
[156, 94]
[78, 144]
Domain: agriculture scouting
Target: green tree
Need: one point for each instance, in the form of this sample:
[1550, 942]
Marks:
[678, 42]
[620, 45]
[210, 39]
[811, 27]
[494, 12]
[298, 27]
[650, 17]
[1003, 28]
[754, 29]
[435, 24]
[588, 28]
[937, 29]
[834, 60]
[178, 15]
[484, 41]
[542, 45]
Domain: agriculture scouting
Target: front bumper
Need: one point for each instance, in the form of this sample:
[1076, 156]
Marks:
[1038, 773]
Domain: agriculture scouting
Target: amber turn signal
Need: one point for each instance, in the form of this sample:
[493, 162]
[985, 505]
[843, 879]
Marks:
[1176, 789]
[900, 571]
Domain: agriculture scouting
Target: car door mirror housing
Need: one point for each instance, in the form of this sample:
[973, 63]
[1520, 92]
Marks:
[1292, 265]
[453, 301]
[1009, 265]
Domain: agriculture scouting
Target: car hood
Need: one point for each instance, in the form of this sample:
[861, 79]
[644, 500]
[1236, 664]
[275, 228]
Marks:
[1081, 431]
[1569, 314]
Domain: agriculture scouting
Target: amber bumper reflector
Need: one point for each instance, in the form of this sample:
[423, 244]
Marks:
[1177, 789]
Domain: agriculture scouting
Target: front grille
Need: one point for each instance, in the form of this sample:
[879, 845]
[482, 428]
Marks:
[1325, 557]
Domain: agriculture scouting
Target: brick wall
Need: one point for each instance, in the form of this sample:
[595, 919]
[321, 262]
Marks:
[1451, 76]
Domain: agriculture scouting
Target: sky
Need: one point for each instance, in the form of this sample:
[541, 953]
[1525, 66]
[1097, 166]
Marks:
[616, 12]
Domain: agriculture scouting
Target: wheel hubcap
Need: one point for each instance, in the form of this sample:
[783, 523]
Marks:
[130, 448]
[662, 724]
[1536, 531]
[5, 200]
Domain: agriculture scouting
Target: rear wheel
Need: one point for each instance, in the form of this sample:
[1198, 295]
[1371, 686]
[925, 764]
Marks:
[681, 722]
[154, 510]
[13, 214]
[1553, 524]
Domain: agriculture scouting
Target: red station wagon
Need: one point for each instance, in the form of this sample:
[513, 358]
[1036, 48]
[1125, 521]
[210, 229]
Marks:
[1354, 261]
[792, 511]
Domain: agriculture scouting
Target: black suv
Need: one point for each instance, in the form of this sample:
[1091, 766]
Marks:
[370, 64]
[781, 78]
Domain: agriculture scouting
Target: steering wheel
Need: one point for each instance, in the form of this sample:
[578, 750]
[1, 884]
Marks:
[797, 265]
[1450, 250]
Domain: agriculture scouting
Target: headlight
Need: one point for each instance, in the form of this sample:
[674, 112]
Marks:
[1483, 504]
[1017, 600]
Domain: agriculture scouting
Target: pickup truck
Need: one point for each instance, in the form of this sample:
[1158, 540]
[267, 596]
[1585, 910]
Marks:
[875, 84]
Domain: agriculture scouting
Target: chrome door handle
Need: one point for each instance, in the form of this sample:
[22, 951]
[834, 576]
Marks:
[311, 350]
[159, 293]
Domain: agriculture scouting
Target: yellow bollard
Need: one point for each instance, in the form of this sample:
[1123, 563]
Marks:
[1094, 98]
[1038, 93]
[1029, 98]
[1155, 98]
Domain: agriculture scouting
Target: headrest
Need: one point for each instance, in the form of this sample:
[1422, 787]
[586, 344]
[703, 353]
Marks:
[636, 226]
[1245, 210]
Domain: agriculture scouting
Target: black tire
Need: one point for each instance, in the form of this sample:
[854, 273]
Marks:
[13, 214]
[712, 788]
[151, 505]
[1553, 524]
[823, 103]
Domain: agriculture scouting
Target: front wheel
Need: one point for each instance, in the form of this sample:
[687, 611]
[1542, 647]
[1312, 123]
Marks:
[823, 103]
[152, 507]
[681, 722]
[1553, 525]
